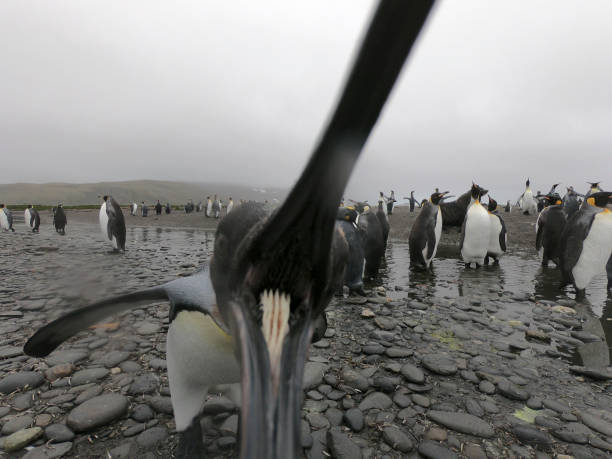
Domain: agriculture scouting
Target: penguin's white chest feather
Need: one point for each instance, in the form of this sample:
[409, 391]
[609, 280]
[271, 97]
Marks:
[27, 217]
[438, 234]
[596, 250]
[199, 354]
[476, 237]
[4, 224]
[103, 220]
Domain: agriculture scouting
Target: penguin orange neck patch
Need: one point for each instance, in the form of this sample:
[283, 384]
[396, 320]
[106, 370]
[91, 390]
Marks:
[591, 201]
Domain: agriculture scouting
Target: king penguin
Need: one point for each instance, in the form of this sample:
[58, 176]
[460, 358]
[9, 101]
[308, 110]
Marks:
[273, 279]
[586, 242]
[425, 233]
[570, 202]
[475, 230]
[594, 188]
[6, 218]
[527, 202]
[347, 218]
[498, 236]
[31, 218]
[134, 209]
[549, 227]
[59, 219]
[112, 223]
[384, 222]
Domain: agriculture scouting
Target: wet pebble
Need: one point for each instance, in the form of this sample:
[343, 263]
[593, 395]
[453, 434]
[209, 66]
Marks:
[511, 391]
[58, 433]
[433, 450]
[397, 439]
[354, 419]
[375, 400]
[462, 422]
[573, 432]
[144, 384]
[530, 435]
[412, 373]
[50, 451]
[16, 424]
[88, 376]
[21, 380]
[439, 364]
[21, 438]
[341, 446]
[313, 374]
[152, 436]
[96, 412]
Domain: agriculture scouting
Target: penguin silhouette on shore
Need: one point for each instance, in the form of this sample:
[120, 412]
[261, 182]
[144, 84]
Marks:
[527, 202]
[549, 227]
[586, 242]
[425, 233]
[413, 201]
[59, 219]
[475, 230]
[498, 236]
[508, 207]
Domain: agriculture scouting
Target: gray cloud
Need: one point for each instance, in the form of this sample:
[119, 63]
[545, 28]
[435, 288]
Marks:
[239, 91]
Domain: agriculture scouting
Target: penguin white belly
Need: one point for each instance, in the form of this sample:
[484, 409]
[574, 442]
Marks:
[528, 204]
[494, 230]
[103, 220]
[4, 224]
[199, 354]
[438, 234]
[27, 217]
[476, 237]
[596, 250]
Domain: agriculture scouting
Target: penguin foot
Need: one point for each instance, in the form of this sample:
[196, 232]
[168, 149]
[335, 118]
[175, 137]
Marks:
[190, 443]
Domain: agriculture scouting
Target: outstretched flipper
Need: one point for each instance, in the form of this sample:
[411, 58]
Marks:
[191, 293]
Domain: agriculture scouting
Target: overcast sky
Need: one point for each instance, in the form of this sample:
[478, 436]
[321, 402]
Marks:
[239, 92]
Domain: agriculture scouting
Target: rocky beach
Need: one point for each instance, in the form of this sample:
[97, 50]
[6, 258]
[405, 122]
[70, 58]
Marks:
[472, 363]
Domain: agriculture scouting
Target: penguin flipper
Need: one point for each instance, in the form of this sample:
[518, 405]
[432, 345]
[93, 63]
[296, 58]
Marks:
[431, 240]
[46, 339]
[462, 234]
[575, 232]
[502, 234]
[540, 231]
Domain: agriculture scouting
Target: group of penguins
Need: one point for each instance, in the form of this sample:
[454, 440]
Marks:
[250, 314]
[144, 209]
[32, 219]
[212, 208]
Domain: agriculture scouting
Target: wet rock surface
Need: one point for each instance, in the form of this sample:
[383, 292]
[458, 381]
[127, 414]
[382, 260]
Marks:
[441, 366]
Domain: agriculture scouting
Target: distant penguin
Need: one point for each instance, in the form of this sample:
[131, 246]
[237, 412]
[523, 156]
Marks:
[586, 242]
[6, 218]
[230, 206]
[425, 233]
[540, 201]
[527, 202]
[208, 206]
[347, 225]
[508, 207]
[453, 213]
[384, 222]
[216, 207]
[390, 203]
[413, 201]
[134, 209]
[59, 219]
[498, 237]
[594, 188]
[168, 208]
[570, 202]
[475, 231]
[158, 208]
[31, 218]
[549, 227]
[112, 223]
[144, 210]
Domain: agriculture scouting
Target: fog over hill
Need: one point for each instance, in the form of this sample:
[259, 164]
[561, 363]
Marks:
[131, 191]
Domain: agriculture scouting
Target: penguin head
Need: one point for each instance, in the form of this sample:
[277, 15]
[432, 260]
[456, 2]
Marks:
[435, 198]
[492, 204]
[554, 199]
[600, 199]
[104, 198]
[1, 206]
[477, 192]
[29, 206]
[527, 183]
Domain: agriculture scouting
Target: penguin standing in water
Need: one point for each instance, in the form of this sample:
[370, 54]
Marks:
[144, 209]
[168, 208]
[230, 206]
[384, 222]
[570, 202]
[549, 227]
[272, 279]
[586, 242]
[6, 218]
[373, 239]
[527, 202]
[31, 218]
[390, 203]
[112, 223]
[347, 223]
[134, 209]
[59, 219]
[475, 231]
[508, 207]
[425, 233]
[498, 237]
[413, 201]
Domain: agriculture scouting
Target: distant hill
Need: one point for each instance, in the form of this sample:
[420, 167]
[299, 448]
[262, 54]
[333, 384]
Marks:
[149, 191]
